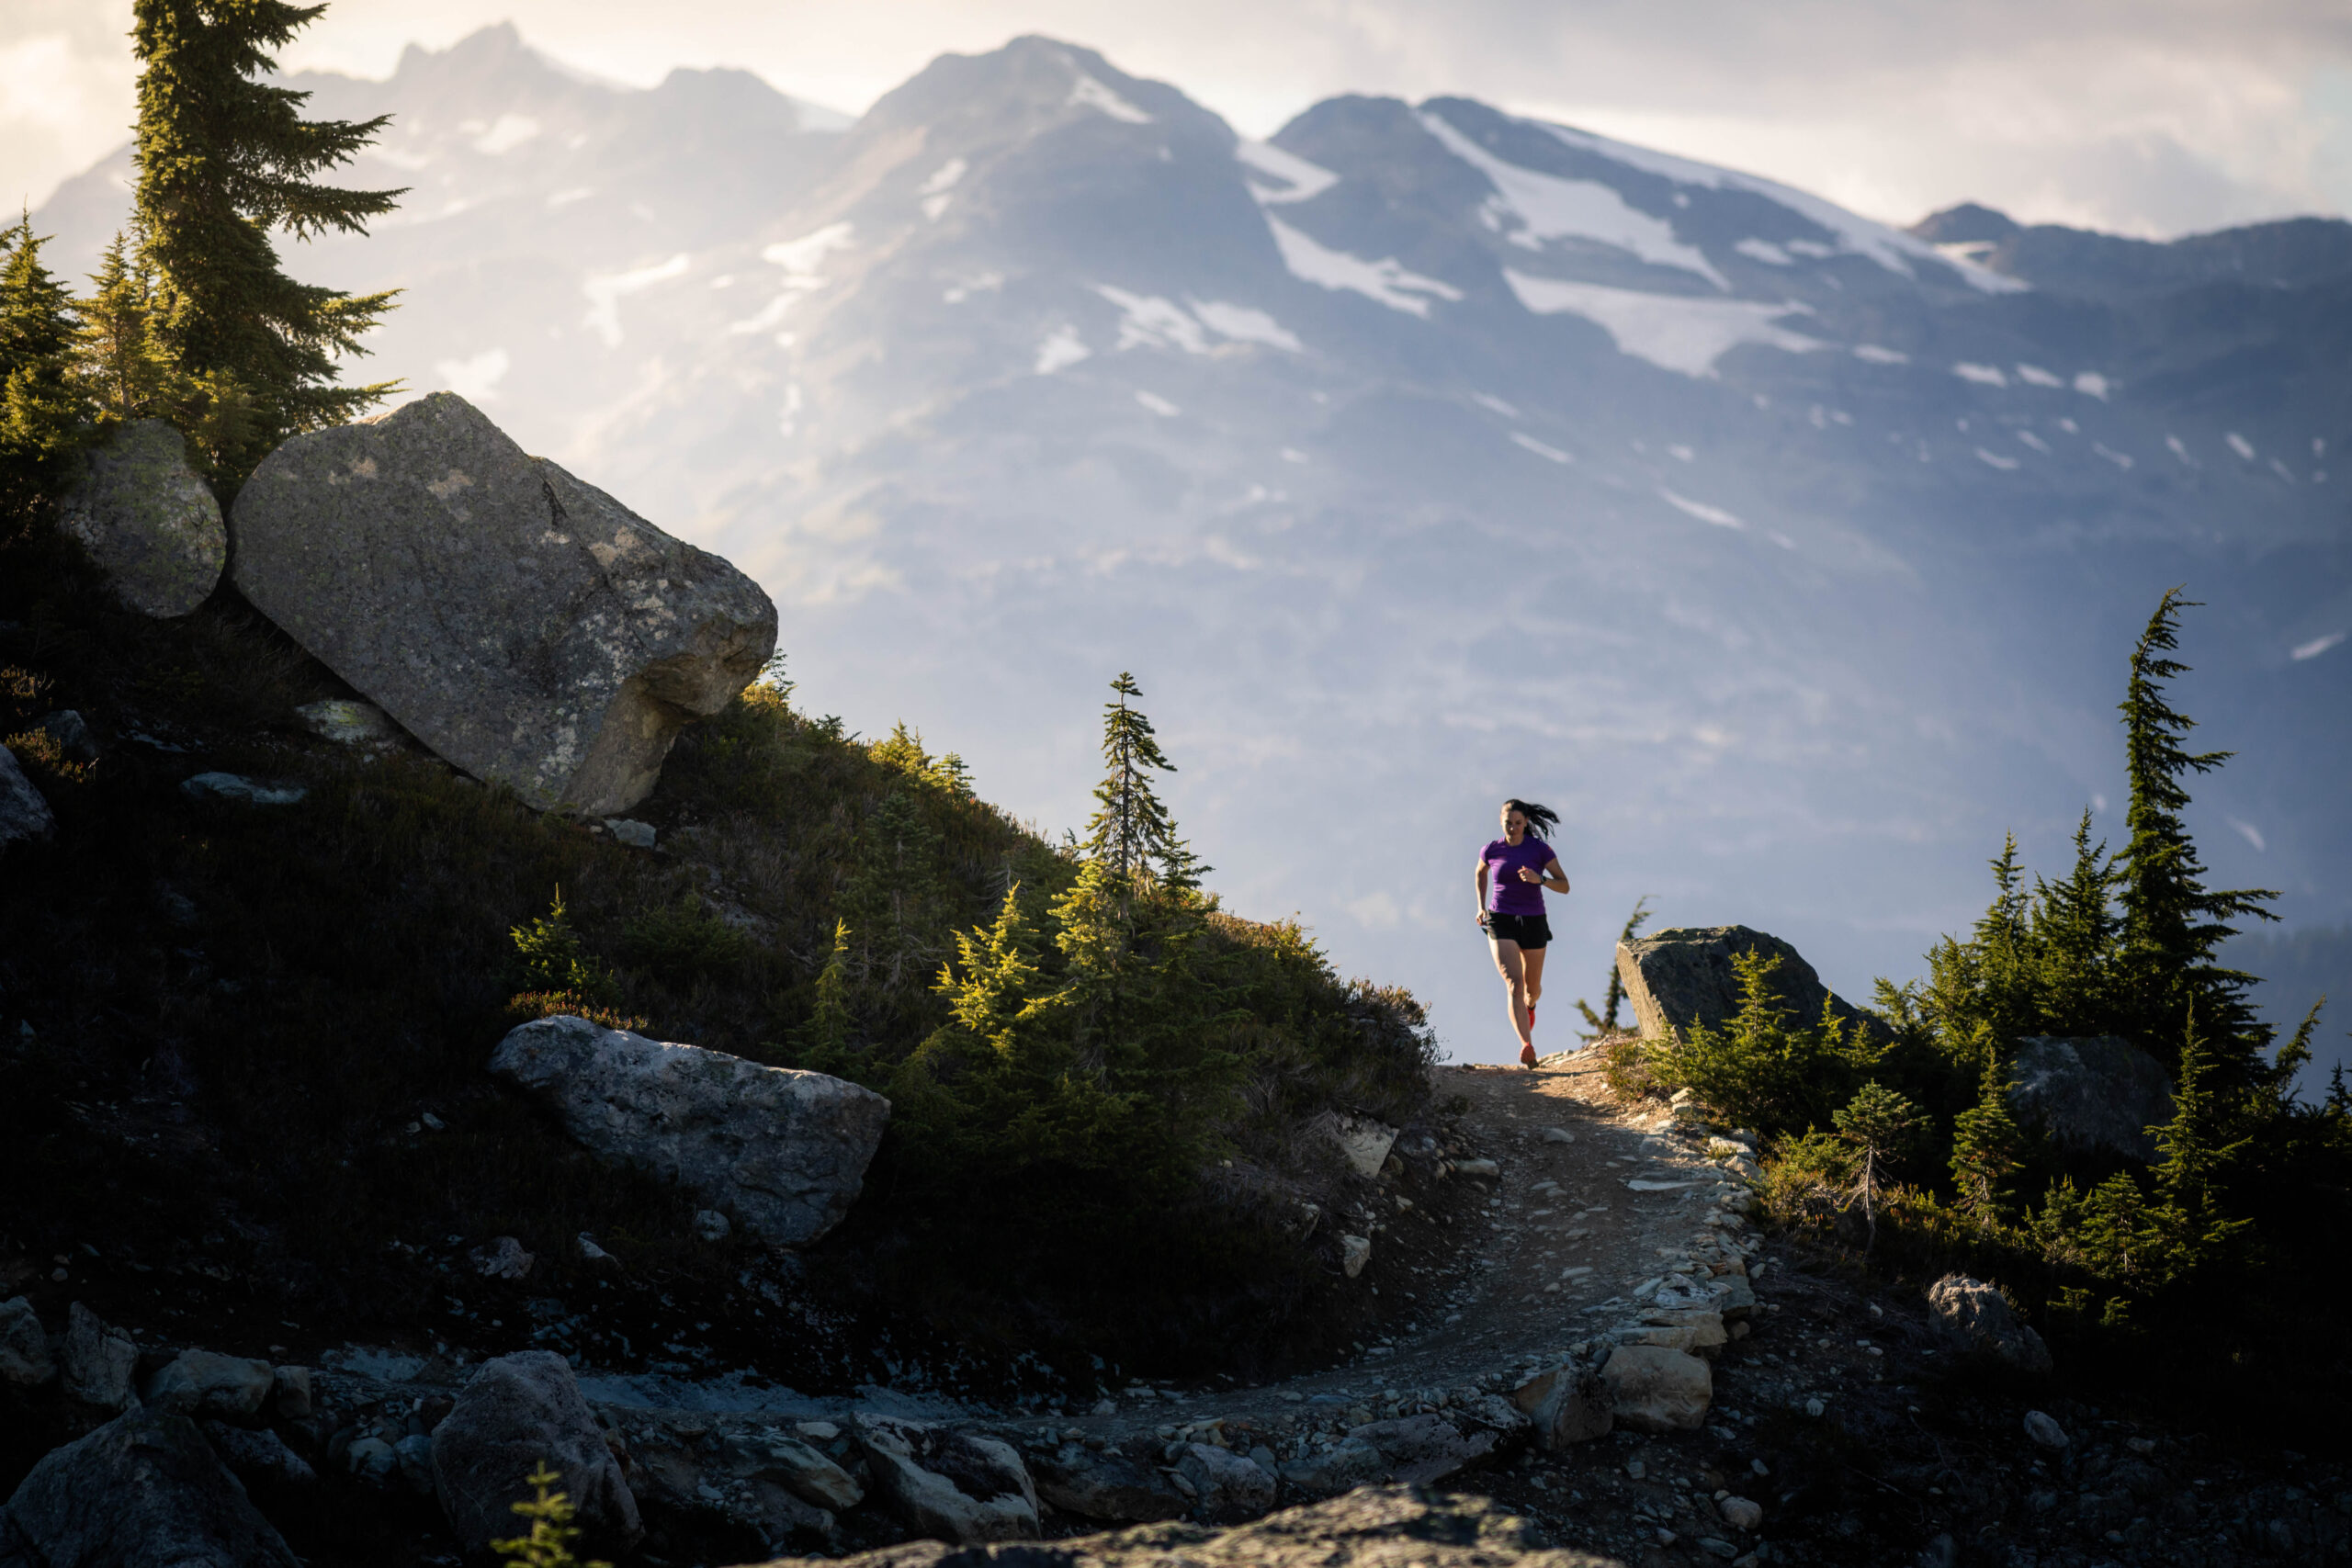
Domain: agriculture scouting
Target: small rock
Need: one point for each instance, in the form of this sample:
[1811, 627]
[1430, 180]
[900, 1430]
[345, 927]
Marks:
[372, 1460]
[25, 816]
[1365, 1142]
[434, 1123]
[72, 737]
[98, 1362]
[346, 722]
[636, 835]
[294, 1397]
[143, 1491]
[517, 1412]
[595, 1256]
[1229, 1487]
[2044, 1431]
[1477, 1167]
[200, 1382]
[711, 1225]
[258, 1458]
[957, 1486]
[24, 1348]
[1567, 1404]
[1106, 1486]
[1355, 1251]
[1652, 1389]
[147, 519]
[1350, 1463]
[1558, 1135]
[809, 1474]
[236, 788]
[1421, 1450]
[1814, 1407]
[414, 1454]
[1740, 1512]
[501, 1258]
[1972, 1316]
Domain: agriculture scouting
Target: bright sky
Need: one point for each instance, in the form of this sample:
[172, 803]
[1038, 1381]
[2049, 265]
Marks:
[2147, 116]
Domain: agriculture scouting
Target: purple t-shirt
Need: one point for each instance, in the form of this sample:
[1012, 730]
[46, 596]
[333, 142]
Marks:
[1506, 894]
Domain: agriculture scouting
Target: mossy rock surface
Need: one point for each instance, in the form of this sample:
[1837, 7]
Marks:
[148, 520]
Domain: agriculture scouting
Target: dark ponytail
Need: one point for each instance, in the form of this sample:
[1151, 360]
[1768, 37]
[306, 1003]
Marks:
[1541, 819]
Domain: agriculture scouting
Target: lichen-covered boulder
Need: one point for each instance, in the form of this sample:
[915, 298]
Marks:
[1974, 1318]
[526, 626]
[781, 1152]
[1684, 976]
[147, 519]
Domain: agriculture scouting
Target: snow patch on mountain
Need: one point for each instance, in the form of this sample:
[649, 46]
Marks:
[1386, 280]
[1890, 248]
[605, 291]
[1535, 207]
[1087, 93]
[1675, 332]
[1294, 178]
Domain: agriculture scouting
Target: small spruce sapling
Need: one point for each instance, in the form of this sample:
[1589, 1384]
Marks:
[1881, 1126]
[1987, 1143]
[547, 1543]
[1601, 1025]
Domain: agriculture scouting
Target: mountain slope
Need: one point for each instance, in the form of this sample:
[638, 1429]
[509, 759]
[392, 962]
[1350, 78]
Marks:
[1421, 455]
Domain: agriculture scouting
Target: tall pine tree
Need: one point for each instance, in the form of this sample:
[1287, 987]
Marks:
[1132, 833]
[40, 409]
[122, 368]
[2174, 925]
[224, 157]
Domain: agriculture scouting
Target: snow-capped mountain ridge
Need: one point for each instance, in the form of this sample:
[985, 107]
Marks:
[1417, 453]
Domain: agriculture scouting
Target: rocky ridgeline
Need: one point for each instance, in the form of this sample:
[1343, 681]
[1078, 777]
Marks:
[526, 627]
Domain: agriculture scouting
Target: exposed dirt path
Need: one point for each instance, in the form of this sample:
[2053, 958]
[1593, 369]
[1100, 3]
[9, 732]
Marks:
[1586, 1203]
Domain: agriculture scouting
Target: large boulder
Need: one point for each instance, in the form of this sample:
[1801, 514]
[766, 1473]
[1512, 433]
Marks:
[1226, 1485]
[143, 1491]
[2092, 1096]
[1570, 1403]
[526, 626]
[147, 519]
[519, 1412]
[25, 814]
[1973, 1318]
[782, 1152]
[1684, 976]
[956, 1486]
[203, 1382]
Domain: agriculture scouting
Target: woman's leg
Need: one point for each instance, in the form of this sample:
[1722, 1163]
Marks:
[1530, 959]
[1510, 963]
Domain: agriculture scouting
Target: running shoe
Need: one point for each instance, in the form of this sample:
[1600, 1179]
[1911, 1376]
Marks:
[1527, 1056]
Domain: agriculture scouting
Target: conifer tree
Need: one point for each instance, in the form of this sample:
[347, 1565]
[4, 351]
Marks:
[123, 370]
[2188, 1221]
[40, 410]
[224, 156]
[1612, 997]
[2076, 929]
[1986, 1142]
[1881, 1125]
[2173, 925]
[1131, 831]
[824, 1039]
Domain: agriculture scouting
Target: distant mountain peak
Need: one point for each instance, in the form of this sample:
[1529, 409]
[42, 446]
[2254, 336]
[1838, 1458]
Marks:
[1967, 224]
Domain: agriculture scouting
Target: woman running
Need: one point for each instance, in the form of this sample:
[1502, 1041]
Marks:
[1513, 872]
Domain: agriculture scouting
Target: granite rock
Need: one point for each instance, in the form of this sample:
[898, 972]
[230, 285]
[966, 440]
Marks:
[2096, 1095]
[518, 1411]
[1684, 976]
[146, 519]
[526, 626]
[143, 1491]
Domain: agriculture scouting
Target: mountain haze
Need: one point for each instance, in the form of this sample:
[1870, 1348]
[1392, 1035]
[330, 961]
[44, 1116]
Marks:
[1421, 455]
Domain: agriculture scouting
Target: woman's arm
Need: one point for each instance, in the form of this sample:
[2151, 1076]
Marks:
[1554, 879]
[1482, 892]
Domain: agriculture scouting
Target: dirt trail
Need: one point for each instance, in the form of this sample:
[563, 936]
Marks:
[1588, 1204]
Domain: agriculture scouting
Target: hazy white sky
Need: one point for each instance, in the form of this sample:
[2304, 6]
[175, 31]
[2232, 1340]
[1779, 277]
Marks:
[2150, 117]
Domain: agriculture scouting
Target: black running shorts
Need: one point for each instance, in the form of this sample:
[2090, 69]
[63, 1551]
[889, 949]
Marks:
[1533, 933]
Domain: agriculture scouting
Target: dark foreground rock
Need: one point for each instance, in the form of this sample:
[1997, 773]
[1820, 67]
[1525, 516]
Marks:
[781, 1152]
[1684, 976]
[528, 628]
[1973, 1318]
[1390, 1526]
[24, 813]
[519, 1412]
[951, 1486]
[143, 1491]
[147, 519]
[2094, 1095]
